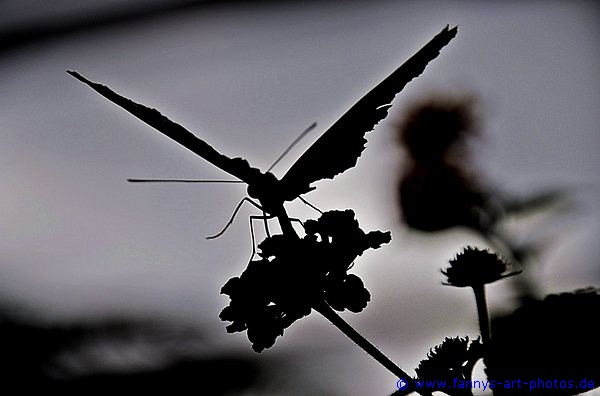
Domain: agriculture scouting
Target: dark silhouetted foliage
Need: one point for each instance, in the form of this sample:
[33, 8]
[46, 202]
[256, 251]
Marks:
[556, 338]
[211, 376]
[31, 359]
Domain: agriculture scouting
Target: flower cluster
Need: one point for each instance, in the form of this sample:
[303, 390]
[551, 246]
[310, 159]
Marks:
[454, 358]
[476, 267]
[294, 274]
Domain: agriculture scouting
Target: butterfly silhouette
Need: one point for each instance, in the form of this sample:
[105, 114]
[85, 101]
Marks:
[337, 150]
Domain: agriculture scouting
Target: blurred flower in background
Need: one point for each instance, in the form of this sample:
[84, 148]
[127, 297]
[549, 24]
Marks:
[442, 188]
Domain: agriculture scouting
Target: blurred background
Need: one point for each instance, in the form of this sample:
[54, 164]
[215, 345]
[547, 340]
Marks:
[81, 248]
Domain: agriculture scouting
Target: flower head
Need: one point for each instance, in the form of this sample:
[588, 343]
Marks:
[452, 359]
[476, 267]
[294, 274]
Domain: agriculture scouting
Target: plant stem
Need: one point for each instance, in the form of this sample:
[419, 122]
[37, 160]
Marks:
[324, 309]
[482, 312]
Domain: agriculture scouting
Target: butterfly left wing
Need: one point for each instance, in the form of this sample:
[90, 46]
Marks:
[237, 167]
[339, 148]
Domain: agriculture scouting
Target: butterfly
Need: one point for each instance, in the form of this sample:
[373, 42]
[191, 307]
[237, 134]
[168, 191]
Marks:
[336, 151]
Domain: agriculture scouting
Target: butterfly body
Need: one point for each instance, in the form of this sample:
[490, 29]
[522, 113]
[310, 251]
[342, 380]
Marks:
[267, 189]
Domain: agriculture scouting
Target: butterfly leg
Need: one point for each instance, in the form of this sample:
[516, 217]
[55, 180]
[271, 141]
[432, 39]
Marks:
[296, 220]
[237, 208]
[265, 218]
[252, 218]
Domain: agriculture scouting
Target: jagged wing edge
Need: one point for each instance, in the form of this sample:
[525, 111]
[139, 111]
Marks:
[339, 148]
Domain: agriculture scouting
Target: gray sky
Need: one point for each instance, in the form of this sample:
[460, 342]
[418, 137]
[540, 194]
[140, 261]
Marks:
[79, 241]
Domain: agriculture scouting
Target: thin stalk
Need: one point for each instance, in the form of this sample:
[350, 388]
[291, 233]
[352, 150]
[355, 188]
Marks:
[324, 309]
[482, 313]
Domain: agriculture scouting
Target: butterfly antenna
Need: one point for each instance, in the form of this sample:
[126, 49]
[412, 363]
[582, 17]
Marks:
[311, 205]
[181, 181]
[295, 142]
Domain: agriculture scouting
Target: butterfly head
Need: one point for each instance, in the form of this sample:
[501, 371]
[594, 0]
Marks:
[265, 189]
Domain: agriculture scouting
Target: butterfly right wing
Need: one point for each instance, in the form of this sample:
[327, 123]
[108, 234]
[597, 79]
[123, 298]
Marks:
[237, 167]
[339, 148]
